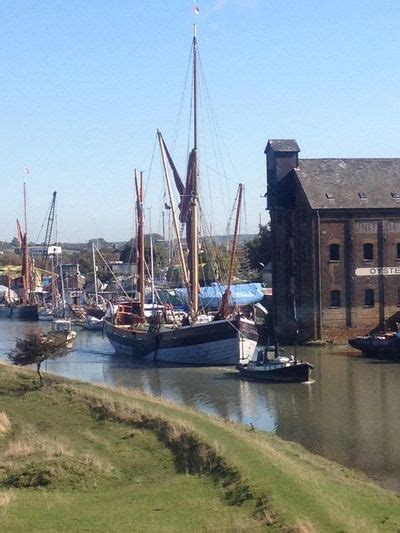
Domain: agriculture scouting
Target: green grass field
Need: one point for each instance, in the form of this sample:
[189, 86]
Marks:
[77, 457]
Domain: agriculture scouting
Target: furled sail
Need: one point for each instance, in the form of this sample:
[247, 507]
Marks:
[186, 193]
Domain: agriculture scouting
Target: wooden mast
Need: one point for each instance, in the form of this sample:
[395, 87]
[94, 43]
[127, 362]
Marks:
[95, 274]
[227, 293]
[140, 238]
[25, 255]
[194, 259]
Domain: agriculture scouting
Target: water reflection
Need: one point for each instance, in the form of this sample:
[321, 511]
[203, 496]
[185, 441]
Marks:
[349, 414]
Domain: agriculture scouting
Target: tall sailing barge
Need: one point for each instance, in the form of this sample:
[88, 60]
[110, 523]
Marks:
[224, 339]
[27, 307]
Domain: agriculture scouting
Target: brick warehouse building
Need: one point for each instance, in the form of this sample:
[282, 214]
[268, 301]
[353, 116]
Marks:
[336, 243]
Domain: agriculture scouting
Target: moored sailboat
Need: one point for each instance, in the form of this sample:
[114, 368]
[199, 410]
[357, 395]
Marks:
[224, 339]
[27, 307]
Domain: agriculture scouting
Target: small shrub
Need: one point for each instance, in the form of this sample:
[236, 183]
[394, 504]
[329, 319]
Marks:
[37, 347]
[33, 475]
[62, 471]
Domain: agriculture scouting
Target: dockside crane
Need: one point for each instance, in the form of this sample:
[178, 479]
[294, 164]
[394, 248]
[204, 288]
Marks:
[49, 230]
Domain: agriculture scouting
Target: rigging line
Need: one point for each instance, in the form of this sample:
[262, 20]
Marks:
[209, 115]
[241, 334]
[217, 132]
[245, 221]
[181, 103]
[228, 225]
[133, 240]
[218, 129]
[134, 233]
[151, 165]
[214, 133]
[44, 221]
[191, 114]
[213, 117]
[223, 175]
[155, 288]
[111, 271]
[211, 244]
[218, 157]
[211, 209]
[159, 225]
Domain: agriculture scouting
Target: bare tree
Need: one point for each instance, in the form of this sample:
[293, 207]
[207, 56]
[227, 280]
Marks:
[37, 347]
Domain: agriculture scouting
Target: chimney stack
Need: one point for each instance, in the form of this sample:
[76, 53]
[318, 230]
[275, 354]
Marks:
[282, 158]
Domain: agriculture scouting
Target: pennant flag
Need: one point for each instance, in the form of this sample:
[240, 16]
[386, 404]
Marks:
[196, 9]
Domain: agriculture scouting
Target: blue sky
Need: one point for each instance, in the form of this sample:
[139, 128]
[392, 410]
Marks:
[85, 85]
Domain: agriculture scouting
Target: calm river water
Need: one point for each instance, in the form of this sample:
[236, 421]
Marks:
[350, 413]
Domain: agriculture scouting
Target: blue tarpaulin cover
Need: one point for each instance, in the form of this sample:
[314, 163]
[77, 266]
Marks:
[210, 297]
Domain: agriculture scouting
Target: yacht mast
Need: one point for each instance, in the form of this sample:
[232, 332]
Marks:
[140, 237]
[151, 261]
[95, 275]
[194, 248]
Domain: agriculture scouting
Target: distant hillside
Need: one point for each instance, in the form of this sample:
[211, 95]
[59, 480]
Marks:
[219, 239]
[223, 239]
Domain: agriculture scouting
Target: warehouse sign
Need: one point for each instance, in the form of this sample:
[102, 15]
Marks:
[378, 271]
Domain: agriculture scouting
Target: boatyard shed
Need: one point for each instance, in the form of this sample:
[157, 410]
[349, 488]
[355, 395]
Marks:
[335, 227]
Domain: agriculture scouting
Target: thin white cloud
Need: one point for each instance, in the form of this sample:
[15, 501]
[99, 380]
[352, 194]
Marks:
[221, 5]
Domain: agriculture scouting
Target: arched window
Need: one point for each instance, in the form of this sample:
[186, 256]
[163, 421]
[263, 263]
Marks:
[368, 251]
[398, 251]
[334, 252]
[369, 298]
[335, 298]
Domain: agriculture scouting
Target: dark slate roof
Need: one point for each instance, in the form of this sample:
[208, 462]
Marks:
[350, 183]
[283, 145]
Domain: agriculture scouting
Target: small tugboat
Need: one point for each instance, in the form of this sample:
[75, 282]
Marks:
[271, 364]
[378, 345]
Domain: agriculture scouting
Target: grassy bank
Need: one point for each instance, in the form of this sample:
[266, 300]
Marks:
[76, 457]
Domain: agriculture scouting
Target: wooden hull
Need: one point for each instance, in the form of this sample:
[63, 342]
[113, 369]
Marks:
[216, 343]
[20, 312]
[96, 312]
[285, 373]
[378, 346]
